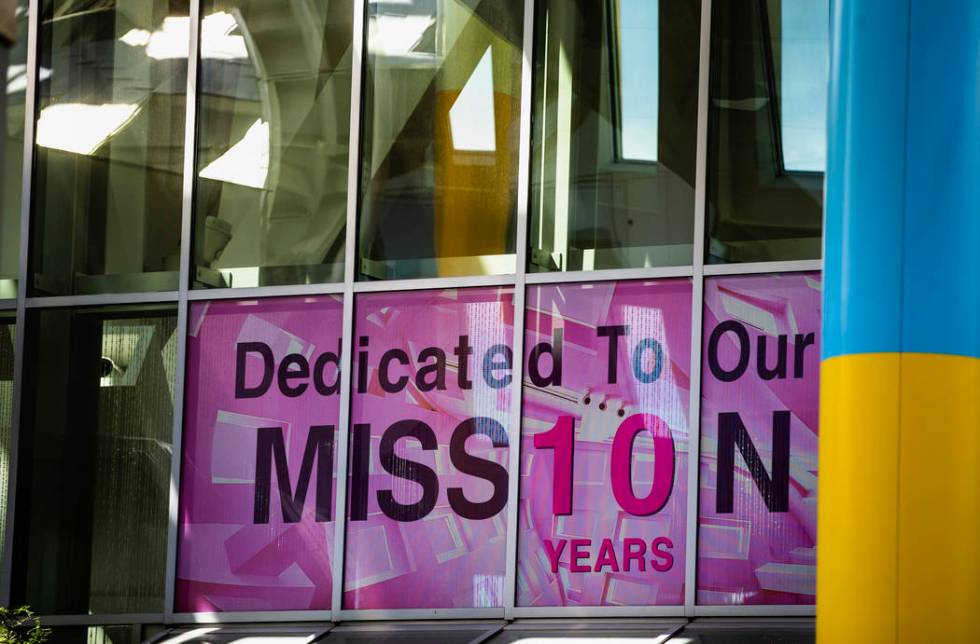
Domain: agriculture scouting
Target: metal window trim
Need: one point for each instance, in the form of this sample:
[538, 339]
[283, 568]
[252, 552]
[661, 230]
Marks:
[697, 316]
[186, 226]
[102, 299]
[265, 292]
[520, 293]
[764, 268]
[30, 109]
[358, 43]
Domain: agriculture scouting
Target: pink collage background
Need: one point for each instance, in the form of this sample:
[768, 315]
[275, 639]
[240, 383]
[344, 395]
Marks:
[749, 556]
[754, 556]
[225, 562]
[442, 560]
[659, 310]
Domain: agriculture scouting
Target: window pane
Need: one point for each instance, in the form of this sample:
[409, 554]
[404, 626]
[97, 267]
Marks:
[441, 112]
[13, 155]
[7, 330]
[95, 450]
[615, 130]
[766, 142]
[110, 134]
[605, 410]
[273, 142]
[248, 441]
[760, 399]
[430, 412]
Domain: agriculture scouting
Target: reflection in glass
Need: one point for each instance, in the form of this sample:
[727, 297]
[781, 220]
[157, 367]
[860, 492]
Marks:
[766, 148]
[273, 142]
[615, 125]
[95, 450]
[13, 154]
[6, 411]
[439, 172]
[110, 131]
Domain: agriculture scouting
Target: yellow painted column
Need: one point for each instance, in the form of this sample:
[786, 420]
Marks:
[898, 556]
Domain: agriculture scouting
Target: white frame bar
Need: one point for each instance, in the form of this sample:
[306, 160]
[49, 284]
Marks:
[697, 315]
[359, 25]
[30, 108]
[186, 226]
[520, 294]
[349, 289]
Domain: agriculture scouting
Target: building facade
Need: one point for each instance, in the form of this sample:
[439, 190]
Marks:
[340, 310]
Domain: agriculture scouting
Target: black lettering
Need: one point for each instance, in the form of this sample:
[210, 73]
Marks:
[463, 351]
[269, 444]
[490, 365]
[360, 466]
[614, 333]
[495, 473]
[286, 374]
[802, 342]
[383, 366]
[779, 371]
[319, 380]
[362, 365]
[775, 490]
[744, 348]
[438, 368]
[408, 470]
[553, 349]
[268, 369]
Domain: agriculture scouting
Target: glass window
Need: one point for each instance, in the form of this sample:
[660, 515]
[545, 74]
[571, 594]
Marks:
[6, 410]
[95, 453]
[13, 154]
[766, 147]
[441, 124]
[110, 132]
[273, 142]
[615, 127]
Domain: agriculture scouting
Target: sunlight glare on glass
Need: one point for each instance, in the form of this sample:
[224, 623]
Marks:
[81, 128]
[246, 163]
[471, 118]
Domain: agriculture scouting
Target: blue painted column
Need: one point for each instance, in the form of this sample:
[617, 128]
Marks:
[899, 515]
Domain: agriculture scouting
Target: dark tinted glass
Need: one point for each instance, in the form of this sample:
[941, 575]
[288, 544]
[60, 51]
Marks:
[110, 145]
[615, 125]
[273, 142]
[95, 450]
[440, 130]
[766, 148]
[6, 409]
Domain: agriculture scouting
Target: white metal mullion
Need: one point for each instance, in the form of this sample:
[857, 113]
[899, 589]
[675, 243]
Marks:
[520, 286]
[23, 278]
[186, 226]
[697, 315]
[757, 268]
[347, 332]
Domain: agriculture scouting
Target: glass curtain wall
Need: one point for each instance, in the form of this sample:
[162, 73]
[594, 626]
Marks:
[439, 142]
[615, 131]
[612, 148]
[767, 114]
[95, 450]
[110, 146]
[274, 132]
[13, 168]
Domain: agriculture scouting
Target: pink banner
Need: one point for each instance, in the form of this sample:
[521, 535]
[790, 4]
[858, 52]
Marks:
[430, 419]
[760, 386]
[604, 453]
[257, 514]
